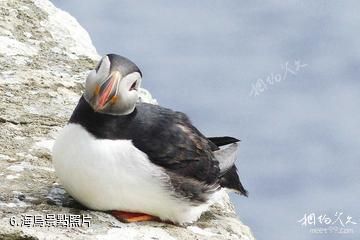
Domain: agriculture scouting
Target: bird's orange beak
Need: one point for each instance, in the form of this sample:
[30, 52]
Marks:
[107, 90]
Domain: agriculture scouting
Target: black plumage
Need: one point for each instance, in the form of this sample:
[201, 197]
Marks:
[170, 141]
[121, 64]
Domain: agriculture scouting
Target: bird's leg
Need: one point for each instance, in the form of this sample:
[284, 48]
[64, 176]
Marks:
[128, 217]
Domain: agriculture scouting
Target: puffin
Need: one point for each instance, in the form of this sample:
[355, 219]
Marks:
[136, 160]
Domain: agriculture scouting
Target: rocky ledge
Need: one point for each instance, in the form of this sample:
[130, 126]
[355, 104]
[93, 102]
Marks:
[44, 58]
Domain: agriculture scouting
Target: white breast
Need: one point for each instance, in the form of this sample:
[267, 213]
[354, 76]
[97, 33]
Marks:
[114, 175]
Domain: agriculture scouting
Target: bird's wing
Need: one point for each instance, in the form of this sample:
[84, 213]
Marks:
[173, 143]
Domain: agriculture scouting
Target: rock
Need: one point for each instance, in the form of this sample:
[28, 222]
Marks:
[44, 58]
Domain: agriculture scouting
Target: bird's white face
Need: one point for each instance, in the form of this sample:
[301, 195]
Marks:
[107, 91]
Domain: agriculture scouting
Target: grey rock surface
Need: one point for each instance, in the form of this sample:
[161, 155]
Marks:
[44, 58]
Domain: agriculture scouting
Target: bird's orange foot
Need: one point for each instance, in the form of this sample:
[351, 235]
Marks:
[128, 217]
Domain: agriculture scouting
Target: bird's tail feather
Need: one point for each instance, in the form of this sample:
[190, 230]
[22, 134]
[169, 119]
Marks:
[221, 141]
[226, 156]
[231, 181]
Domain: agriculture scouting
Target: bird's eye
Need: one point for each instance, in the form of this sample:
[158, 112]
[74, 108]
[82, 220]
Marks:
[98, 65]
[133, 86]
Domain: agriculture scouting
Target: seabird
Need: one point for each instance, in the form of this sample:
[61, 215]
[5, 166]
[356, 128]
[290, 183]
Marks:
[138, 160]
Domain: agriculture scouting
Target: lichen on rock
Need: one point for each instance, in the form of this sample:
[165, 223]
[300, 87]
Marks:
[44, 58]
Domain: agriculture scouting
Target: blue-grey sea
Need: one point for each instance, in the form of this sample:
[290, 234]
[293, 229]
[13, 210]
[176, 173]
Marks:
[283, 76]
